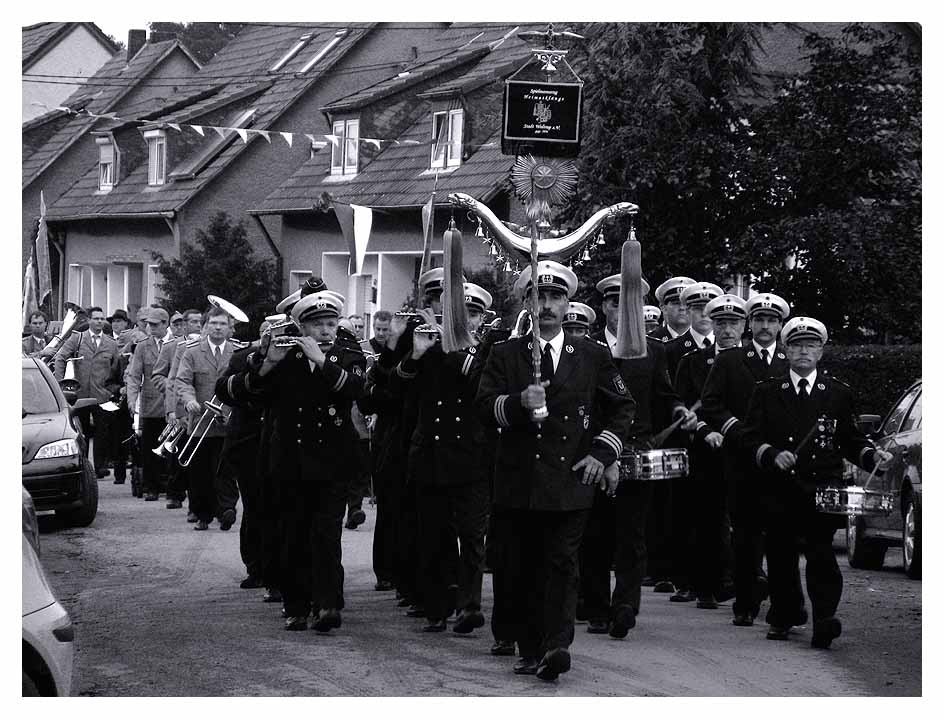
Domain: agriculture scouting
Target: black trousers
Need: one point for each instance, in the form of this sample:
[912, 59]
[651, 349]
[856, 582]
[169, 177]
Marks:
[407, 569]
[122, 444]
[152, 465]
[360, 479]
[747, 532]
[659, 531]
[503, 589]
[202, 474]
[95, 425]
[824, 580]
[448, 514]
[239, 462]
[541, 576]
[311, 573]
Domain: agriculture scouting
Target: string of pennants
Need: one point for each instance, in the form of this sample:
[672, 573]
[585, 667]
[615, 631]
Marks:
[245, 133]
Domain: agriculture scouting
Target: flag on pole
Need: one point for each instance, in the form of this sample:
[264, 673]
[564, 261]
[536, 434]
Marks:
[426, 215]
[42, 253]
[355, 222]
[29, 292]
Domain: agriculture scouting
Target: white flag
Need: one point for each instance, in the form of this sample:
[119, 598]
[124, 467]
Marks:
[198, 129]
[220, 131]
[265, 134]
[287, 137]
[242, 133]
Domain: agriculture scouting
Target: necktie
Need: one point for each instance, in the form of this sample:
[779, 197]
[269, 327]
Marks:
[97, 338]
[802, 389]
[547, 363]
[705, 342]
[764, 356]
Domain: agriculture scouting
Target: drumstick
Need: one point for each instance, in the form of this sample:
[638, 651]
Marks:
[876, 465]
[658, 440]
[807, 437]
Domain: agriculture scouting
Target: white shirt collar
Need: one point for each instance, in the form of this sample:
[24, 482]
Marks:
[611, 340]
[770, 348]
[556, 343]
[673, 333]
[811, 380]
[699, 338]
[213, 344]
[718, 349]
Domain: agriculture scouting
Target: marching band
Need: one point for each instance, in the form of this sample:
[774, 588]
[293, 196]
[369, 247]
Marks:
[691, 465]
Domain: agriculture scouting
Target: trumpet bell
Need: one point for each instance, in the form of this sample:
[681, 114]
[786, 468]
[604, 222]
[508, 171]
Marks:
[229, 307]
[70, 385]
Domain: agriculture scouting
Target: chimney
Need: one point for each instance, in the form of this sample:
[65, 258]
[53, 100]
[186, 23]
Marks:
[136, 41]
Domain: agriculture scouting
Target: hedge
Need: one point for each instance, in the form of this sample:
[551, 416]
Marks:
[878, 374]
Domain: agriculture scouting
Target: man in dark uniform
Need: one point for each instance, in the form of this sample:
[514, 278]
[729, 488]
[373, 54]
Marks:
[675, 316]
[616, 532]
[799, 428]
[309, 390]
[695, 337]
[701, 519]
[545, 474]
[651, 318]
[578, 321]
[724, 406]
[447, 464]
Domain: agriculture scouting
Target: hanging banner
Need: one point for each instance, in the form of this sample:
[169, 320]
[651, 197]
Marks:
[542, 118]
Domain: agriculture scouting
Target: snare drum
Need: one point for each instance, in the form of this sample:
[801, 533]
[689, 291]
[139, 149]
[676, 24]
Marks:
[662, 464]
[853, 500]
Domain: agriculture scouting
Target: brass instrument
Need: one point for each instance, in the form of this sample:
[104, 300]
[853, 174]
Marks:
[228, 307]
[136, 421]
[68, 322]
[428, 330]
[213, 412]
[68, 382]
[169, 438]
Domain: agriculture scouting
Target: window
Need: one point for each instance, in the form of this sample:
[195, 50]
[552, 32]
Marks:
[324, 51]
[895, 417]
[447, 147]
[106, 163]
[154, 277]
[344, 154]
[914, 418]
[157, 156]
[297, 278]
[293, 51]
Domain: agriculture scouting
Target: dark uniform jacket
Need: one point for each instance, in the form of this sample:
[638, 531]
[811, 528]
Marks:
[245, 421]
[661, 334]
[779, 420]
[691, 374]
[675, 349]
[446, 446]
[98, 371]
[533, 463]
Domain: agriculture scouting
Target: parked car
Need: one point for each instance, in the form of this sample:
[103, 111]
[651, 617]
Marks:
[56, 471]
[868, 537]
[48, 634]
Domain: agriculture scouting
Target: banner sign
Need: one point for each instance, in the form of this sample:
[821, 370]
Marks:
[542, 118]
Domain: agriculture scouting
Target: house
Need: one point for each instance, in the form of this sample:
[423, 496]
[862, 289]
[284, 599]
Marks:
[58, 57]
[170, 180]
[58, 146]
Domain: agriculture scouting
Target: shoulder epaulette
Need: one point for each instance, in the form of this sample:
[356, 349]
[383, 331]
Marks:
[505, 340]
[602, 343]
[239, 344]
[183, 342]
[193, 343]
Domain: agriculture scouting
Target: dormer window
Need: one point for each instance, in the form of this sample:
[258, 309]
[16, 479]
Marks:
[157, 156]
[107, 163]
[447, 145]
[293, 51]
[324, 51]
[344, 152]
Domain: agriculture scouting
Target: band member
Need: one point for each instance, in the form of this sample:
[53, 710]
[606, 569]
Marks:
[375, 345]
[177, 325]
[578, 321]
[96, 369]
[212, 493]
[309, 390]
[724, 406]
[675, 316]
[798, 430]
[700, 519]
[616, 533]
[545, 474]
[34, 343]
[651, 318]
[140, 383]
[446, 464]
[694, 338]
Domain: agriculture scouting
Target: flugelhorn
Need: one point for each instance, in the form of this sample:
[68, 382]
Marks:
[213, 413]
[228, 307]
[558, 249]
[169, 438]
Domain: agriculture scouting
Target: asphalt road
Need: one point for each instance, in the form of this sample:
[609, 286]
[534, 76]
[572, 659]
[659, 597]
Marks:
[158, 612]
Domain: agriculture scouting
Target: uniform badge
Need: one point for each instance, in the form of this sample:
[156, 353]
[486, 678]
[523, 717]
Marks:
[581, 410]
[688, 343]
[785, 386]
[665, 339]
[618, 383]
[338, 422]
[587, 421]
[333, 358]
[781, 356]
[821, 386]
[332, 411]
[546, 279]
[472, 351]
[569, 348]
[751, 353]
[529, 346]
[357, 370]
[298, 355]
[710, 361]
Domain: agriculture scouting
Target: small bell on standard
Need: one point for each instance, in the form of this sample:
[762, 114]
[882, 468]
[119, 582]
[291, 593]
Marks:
[508, 266]
[600, 238]
[479, 232]
[492, 250]
[587, 254]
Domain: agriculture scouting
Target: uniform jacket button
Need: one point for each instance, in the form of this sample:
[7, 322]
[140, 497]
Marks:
[457, 419]
[537, 456]
[436, 437]
[459, 401]
[439, 402]
[319, 424]
[565, 417]
[564, 437]
[457, 437]
[562, 459]
[538, 436]
[436, 419]
[790, 439]
[299, 441]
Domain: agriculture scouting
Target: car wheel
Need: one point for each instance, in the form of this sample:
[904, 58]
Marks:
[29, 687]
[911, 538]
[863, 553]
[83, 516]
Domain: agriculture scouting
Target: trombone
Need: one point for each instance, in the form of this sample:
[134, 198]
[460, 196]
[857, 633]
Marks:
[213, 412]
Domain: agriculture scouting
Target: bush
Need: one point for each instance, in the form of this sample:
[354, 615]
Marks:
[878, 374]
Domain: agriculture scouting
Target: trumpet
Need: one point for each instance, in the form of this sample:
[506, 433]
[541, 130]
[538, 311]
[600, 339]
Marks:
[213, 413]
[169, 438]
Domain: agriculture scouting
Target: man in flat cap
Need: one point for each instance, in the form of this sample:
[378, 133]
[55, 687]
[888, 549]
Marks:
[799, 429]
[546, 472]
[675, 316]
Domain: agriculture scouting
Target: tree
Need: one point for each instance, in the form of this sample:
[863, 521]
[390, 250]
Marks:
[203, 39]
[221, 262]
[830, 180]
[661, 128]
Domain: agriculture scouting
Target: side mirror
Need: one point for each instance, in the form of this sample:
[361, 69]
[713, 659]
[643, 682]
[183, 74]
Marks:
[71, 396]
[869, 424]
[83, 403]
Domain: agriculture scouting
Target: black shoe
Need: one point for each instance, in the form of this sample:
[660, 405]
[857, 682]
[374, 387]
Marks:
[707, 602]
[664, 586]
[597, 626]
[580, 614]
[415, 611]
[625, 618]
[118, 481]
[824, 632]
[726, 592]
[151, 497]
[327, 619]
[191, 517]
[251, 583]
[683, 596]
[272, 596]
[435, 625]
[554, 663]
[526, 666]
[101, 473]
[383, 586]
[503, 648]
[227, 518]
[201, 525]
[743, 620]
[403, 602]
[778, 632]
[295, 622]
[173, 504]
[468, 621]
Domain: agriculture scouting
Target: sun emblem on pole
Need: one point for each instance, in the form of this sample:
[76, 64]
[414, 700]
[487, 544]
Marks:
[541, 183]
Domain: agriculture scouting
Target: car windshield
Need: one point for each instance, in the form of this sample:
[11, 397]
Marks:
[37, 395]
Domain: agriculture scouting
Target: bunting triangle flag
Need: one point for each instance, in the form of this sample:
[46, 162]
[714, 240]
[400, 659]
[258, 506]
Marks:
[220, 131]
[375, 143]
[198, 129]
[287, 136]
[355, 222]
[333, 139]
[242, 133]
[265, 134]
[174, 126]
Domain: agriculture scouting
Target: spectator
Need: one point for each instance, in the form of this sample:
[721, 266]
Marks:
[34, 343]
